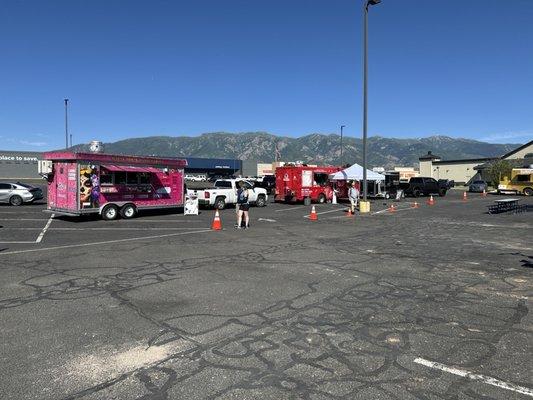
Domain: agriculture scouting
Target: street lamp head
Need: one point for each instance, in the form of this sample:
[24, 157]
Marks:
[372, 2]
[343, 126]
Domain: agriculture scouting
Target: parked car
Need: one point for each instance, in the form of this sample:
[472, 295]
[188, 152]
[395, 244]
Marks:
[424, 186]
[478, 186]
[225, 192]
[196, 178]
[18, 193]
[447, 183]
[268, 183]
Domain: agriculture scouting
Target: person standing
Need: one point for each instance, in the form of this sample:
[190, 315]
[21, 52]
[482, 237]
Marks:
[353, 195]
[244, 206]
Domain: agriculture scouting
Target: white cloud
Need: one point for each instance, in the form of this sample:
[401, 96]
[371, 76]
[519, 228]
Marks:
[33, 144]
[520, 136]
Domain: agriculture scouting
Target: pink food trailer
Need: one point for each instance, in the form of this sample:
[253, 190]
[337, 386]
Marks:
[112, 185]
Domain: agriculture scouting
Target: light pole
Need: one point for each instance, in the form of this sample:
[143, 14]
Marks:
[367, 3]
[66, 123]
[342, 128]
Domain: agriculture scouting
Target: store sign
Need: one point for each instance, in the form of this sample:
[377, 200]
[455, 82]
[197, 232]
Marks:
[5, 157]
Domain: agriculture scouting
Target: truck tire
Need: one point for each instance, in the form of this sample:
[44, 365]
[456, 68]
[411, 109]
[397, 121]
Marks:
[128, 211]
[528, 192]
[261, 201]
[442, 192]
[416, 192]
[16, 200]
[321, 198]
[220, 203]
[110, 212]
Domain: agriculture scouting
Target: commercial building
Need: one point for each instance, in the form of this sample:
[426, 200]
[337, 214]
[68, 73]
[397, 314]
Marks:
[21, 165]
[463, 171]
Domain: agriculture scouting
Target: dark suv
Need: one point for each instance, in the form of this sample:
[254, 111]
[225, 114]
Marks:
[424, 186]
[268, 183]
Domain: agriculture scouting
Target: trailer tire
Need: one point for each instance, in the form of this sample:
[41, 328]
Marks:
[528, 191]
[16, 200]
[321, 198]
[128, 211]
[261, 201]
[110, 212]
[220, 203]
[416, 192]
[442, 192]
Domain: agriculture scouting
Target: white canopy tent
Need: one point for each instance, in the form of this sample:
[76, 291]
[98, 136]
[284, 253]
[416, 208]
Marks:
[355, 173]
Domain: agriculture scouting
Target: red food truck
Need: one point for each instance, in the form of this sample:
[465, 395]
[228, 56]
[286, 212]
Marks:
[296, 183]
[112, 185]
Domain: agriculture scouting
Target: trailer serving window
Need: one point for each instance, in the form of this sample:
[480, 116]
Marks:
[320, 178]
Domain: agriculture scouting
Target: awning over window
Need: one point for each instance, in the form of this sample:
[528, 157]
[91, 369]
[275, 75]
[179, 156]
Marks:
[128, 168]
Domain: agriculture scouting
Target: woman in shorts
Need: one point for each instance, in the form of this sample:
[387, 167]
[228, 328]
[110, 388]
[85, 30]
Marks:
[244, 206]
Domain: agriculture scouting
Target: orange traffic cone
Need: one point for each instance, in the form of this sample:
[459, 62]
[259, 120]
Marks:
[431, 201]
[349, 213]
[313, 216]
[392, 208]
[217, 225]
[415, 205]
[484, 193]
[465, 198]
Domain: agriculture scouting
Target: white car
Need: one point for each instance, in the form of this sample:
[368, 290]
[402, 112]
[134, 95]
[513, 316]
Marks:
[225, 192]
[18, 193]
[196, 178]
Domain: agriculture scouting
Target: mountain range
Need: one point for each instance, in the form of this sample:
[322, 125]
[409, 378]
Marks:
[313, 148]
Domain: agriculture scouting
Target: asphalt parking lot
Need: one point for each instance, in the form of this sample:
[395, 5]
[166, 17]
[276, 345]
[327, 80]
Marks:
[423, 303]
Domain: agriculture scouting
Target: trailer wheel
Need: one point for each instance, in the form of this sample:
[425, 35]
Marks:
[528, 192]
[416, 192]
[220, 203]
[110, 212]
[128, 211]
[321, 198]
[442, 192]
[15, 200]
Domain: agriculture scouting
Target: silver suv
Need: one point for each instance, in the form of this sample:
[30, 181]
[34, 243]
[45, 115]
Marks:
[18, 193]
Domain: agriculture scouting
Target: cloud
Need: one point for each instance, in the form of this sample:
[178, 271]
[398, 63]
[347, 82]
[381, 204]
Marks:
[510, 135]
[33, 144]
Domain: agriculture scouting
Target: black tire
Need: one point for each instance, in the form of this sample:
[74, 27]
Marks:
[220, 203]
[528, 192]
[110, 212]
[261, 201]
[321, 198]
[442, 192]
[128, 211]
[16, 200]
[416, 192]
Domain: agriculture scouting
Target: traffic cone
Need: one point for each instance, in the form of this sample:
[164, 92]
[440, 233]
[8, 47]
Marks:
[217, 225]
[392, 208]
[465, 198]
[431, 201]
[349, 213]
[484, 193]
[415, 205]
[313, 216]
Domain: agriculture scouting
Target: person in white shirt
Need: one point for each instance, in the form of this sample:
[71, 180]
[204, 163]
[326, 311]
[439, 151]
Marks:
[353, 195]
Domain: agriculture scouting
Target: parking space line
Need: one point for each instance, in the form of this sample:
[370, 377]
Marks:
[41, 235]
[475, 377]
[100, 229]
[397, 209]
[290, 209]
[327, 212]
[68, 246]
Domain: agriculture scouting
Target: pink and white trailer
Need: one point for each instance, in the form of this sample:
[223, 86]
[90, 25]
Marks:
[112, 185]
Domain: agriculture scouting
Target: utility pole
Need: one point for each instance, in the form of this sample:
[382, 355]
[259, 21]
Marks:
[66, 123]
[342, 128]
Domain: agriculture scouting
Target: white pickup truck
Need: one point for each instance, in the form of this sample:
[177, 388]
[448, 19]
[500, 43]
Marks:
[225, 192]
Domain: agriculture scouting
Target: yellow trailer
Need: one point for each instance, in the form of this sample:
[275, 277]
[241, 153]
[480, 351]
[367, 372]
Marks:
[521, 182]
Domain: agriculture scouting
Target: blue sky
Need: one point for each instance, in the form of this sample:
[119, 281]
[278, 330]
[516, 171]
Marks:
[139, 68]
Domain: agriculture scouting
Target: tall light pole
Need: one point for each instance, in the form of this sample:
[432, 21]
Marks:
[342, 128]
[367, 3]
[66, 123]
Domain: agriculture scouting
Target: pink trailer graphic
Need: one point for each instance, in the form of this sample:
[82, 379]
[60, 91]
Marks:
[113, 185]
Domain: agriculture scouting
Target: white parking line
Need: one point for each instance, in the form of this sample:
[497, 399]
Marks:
[475, 377]
[68, 246]
[290, 209]
[327, 212]
[100, 229]
[41, 235]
